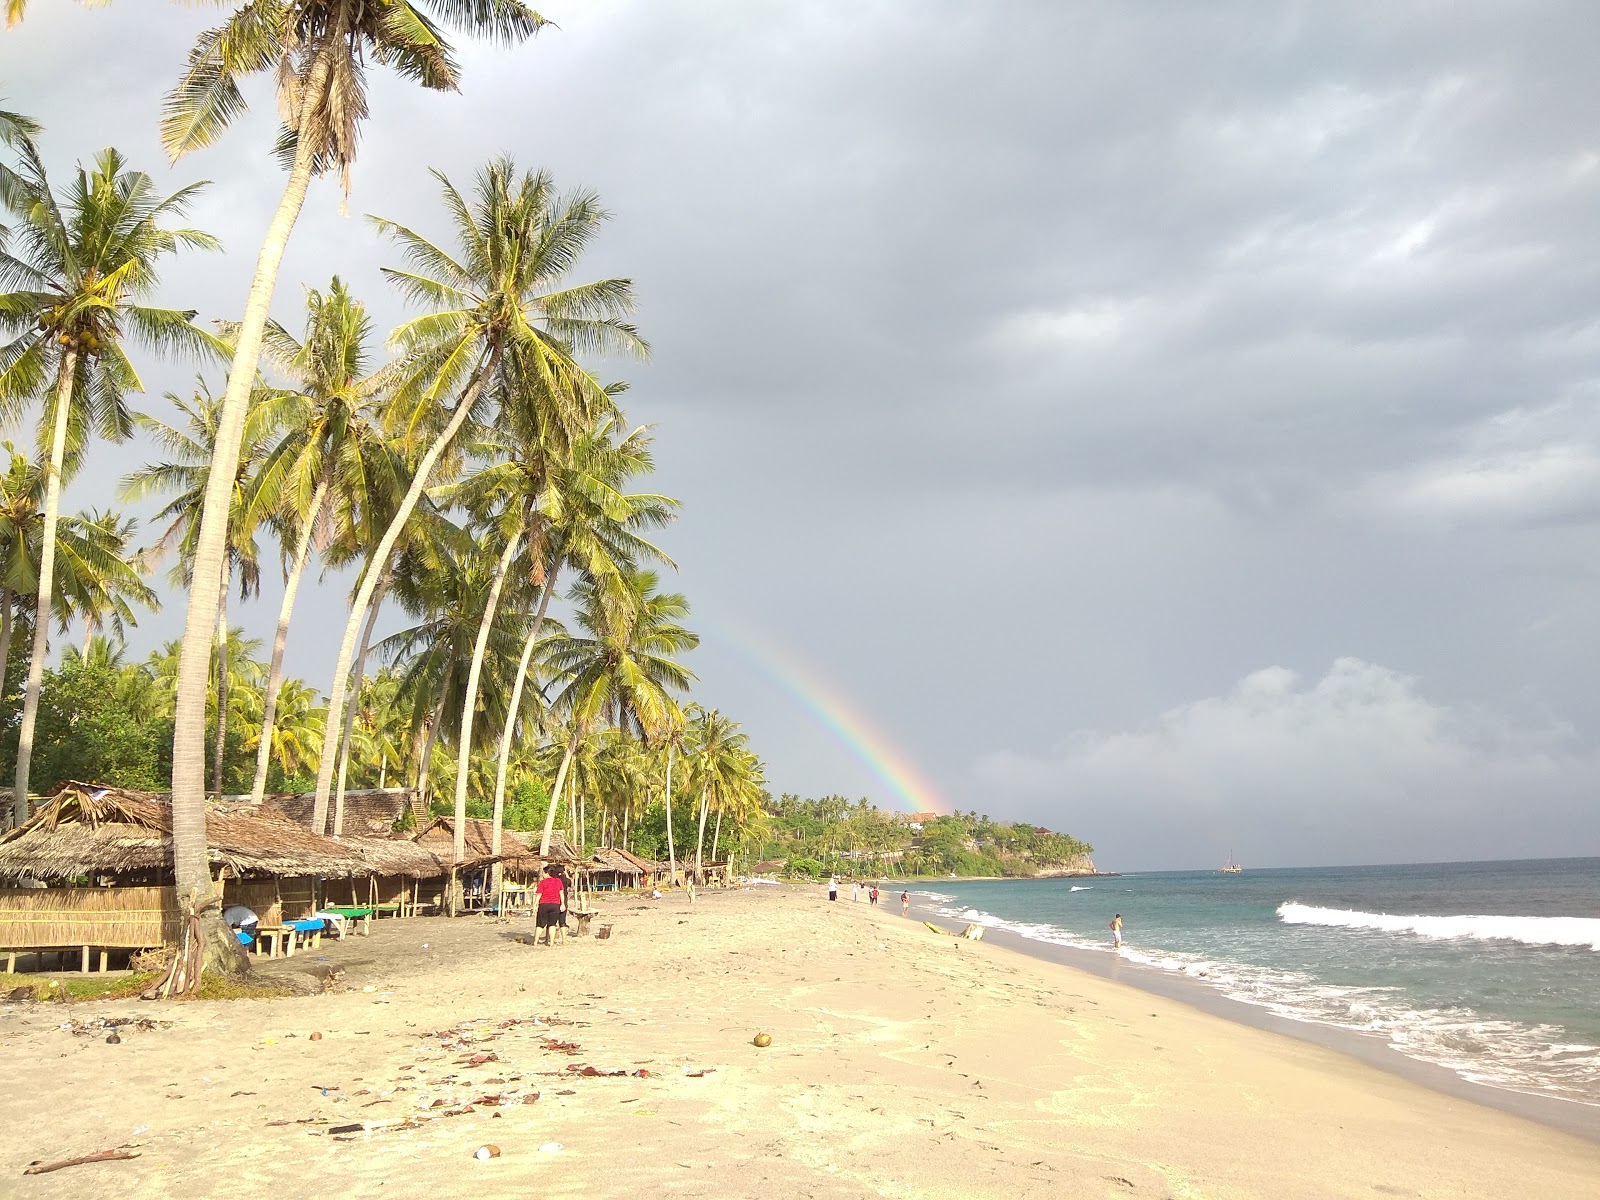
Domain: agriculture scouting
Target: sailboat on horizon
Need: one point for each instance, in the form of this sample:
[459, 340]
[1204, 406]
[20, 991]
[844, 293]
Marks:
[1230, 867]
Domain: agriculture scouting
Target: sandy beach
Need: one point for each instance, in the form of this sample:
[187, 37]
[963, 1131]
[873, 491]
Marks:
[901, 1064]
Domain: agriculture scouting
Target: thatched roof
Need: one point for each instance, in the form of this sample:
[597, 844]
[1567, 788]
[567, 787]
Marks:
[516, 849]
[371, 812]
[614, 858]
[83, 829]
[392, 856]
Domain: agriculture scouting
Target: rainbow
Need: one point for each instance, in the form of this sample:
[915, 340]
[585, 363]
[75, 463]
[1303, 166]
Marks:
[835, 712]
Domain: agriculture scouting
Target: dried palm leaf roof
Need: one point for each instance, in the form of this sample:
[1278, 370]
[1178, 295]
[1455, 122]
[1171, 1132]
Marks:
[615, 858]
[516, 849]
[84, 829]
[390, 856]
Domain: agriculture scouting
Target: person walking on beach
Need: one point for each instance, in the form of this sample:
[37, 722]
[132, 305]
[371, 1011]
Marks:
[550, 890]
[1116, 932]
[905, 904]
[855, 891]
[833, 888]
[873, 894]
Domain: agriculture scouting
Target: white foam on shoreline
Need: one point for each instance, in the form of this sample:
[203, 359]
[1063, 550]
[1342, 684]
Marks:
[1533, 1059]
[1530, 931]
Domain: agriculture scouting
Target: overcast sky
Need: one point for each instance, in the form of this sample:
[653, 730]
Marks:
[1175, 424]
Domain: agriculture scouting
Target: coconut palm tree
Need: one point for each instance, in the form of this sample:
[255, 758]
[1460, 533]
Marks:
[187, 471]
[621, 666]
[716, 765]
[319, 51]
[495, 319]
[586, 519]
[102, 576]
[335, 449]
[296, 733]
[379, 744]
[95, 569]
[80, 268]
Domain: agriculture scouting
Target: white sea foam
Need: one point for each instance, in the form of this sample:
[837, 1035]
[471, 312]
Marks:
[1531, 931]
[1535, 1059]
[1076, 888]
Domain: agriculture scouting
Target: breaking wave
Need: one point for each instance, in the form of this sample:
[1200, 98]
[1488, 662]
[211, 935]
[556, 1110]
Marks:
[1530, 931]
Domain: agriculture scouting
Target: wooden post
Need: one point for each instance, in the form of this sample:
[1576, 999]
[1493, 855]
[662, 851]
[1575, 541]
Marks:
[86, 960]
[105, 959]
[11, 962]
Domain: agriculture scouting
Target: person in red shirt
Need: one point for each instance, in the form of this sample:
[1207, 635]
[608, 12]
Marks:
[551, 889]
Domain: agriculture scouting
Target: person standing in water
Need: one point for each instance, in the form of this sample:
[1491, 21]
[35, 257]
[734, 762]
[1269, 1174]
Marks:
[1116, 932]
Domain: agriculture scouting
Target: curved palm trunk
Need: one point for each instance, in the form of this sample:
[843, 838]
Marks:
[358, 610]
[700, 844]
[555, 792]
[503, 762]
[291, 588]
[717, 836]
[672, 853]
[355, 691]
[197, 894]
[47, 570]
[474, 673]
[219, 750]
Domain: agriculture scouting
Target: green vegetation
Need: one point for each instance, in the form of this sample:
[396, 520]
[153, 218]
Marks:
[81, 987]
[832, 836]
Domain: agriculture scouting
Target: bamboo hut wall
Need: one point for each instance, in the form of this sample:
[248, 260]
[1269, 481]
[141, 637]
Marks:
[260, 896]
[131, 918]
[300, 897]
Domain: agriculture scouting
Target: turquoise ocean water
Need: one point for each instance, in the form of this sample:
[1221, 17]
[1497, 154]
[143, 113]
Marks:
[1490, 969]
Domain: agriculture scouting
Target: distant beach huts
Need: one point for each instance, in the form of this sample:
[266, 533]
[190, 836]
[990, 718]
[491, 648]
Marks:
[612, 869]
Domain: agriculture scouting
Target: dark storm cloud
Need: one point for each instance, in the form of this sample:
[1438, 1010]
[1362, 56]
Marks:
[1041, 368]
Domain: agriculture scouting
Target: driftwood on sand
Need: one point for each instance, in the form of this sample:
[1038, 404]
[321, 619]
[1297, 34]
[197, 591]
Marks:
[99, 1156]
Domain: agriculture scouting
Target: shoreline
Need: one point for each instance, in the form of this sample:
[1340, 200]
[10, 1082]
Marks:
[1569, 1116]
[900, 1064]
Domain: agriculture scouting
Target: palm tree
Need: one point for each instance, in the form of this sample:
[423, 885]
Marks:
[621, 666]
[95, 570]
[587, 520]
[319, 51]
[336, 447]
[297, 731]
[83, 264]
[380, 733]
[254, 495]
[715, 766]
[494, 321]
[101, 574]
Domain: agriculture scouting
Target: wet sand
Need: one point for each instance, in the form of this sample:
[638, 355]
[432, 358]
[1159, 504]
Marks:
[902, 1064]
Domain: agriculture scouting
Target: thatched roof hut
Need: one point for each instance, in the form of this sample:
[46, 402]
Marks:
[83, 829]
[612, 866]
